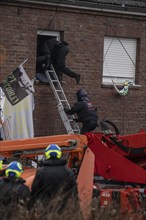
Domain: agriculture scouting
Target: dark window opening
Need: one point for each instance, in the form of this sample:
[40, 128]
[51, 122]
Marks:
[41, 56]
[41, 39]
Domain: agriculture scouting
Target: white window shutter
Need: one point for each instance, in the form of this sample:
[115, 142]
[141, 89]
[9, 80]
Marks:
[119, 63]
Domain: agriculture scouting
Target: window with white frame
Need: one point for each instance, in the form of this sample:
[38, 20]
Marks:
[43, 35]
[119, 60]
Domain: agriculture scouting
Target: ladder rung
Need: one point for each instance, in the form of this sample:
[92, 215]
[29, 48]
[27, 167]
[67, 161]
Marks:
[54, 80]
[50, 71]
[63, 100]
[58, 90]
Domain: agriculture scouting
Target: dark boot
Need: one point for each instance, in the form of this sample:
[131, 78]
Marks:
[77, 78]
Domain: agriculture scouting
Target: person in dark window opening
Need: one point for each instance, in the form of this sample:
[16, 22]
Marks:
[86, 112]
[55, 52]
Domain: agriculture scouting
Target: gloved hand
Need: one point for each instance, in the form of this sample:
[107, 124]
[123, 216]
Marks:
[66, 110]
[76, 119]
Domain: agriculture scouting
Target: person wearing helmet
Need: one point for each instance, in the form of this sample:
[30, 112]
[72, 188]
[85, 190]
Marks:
[2, 168]
[55, 52]
[86, 112]
[1, 164]
[54, 178]
[13, 190]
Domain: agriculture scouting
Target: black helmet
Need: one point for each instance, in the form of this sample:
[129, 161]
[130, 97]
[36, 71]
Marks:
[81, 93]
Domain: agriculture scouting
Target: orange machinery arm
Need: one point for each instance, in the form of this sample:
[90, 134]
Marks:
[69, 143]
[33, 145]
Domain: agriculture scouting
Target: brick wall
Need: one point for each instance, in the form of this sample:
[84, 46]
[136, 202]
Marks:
[85, 33]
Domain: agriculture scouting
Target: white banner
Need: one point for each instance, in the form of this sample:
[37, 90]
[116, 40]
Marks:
[2, 102]
[18, 107]
[17, 86]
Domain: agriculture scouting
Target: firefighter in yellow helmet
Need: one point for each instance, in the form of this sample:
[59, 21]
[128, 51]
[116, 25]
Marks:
[1, 164]
[12, 189]
[2, 170]
[53, 178]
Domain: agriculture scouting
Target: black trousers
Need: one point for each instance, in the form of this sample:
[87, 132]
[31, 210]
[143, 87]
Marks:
[88, 126]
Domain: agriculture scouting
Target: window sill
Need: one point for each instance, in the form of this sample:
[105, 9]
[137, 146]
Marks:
[38, 82]
[120, 86]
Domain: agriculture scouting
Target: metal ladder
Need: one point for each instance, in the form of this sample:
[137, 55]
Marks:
[68, 120]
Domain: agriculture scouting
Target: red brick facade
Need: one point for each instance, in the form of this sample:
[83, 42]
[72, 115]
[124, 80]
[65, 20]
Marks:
[85, 31]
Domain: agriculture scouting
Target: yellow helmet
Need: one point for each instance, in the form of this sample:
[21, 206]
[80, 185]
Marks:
[14, 169]
[1, 164]
[53, 151]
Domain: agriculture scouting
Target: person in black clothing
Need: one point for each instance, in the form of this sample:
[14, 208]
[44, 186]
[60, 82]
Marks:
[55, 52]
[54, 179]
[13, 191]
[86, 112]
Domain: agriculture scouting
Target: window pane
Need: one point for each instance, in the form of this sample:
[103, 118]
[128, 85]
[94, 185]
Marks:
[119, 59]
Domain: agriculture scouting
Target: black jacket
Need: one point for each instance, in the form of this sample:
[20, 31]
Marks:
[13, 190]
[55, 52]
[84, 110]
[52, 178]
